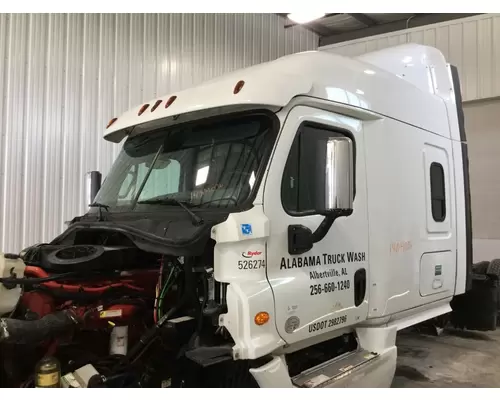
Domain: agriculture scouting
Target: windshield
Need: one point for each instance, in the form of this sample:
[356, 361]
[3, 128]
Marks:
[207, 164]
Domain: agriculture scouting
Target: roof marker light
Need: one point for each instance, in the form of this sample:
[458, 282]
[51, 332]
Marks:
[155, 106]
[111, 122]
[143, 108]
[170, 101]
[238, 87]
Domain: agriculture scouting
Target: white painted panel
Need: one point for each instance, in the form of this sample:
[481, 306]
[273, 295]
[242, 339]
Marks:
[472, 44]
[64, 76]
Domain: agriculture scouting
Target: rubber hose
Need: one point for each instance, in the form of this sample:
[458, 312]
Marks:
[28, 332]
[148, 337]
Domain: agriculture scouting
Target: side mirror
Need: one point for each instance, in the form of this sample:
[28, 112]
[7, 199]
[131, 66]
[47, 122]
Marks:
[334, 190]
[93, 185]
[339, 180]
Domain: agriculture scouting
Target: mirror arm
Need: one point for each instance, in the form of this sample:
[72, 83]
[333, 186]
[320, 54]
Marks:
[327, 223]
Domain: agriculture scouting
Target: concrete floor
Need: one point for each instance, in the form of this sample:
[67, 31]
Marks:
[453, 359]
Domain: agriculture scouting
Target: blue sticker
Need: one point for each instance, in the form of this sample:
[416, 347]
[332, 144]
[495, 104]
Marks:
[246, 229]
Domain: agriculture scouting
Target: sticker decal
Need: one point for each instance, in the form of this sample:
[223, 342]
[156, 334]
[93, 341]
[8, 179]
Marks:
[329, 287]
[110, 313]
[250, 254]
[324, 259]
[291, 324]
[246, 229]
[292, 309]
[251, 264]
[327, 323]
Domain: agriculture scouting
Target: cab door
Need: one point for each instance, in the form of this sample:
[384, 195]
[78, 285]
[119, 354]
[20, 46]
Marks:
[319, 277]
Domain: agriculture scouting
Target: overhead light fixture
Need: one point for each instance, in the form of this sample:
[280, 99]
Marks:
[304, 18]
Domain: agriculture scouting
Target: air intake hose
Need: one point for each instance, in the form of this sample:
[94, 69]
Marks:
[29, 332]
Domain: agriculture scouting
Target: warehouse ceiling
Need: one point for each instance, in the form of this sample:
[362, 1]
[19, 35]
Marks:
[336, 28]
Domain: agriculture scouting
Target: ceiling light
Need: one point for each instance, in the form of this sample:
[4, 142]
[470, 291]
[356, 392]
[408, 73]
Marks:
[304, 18]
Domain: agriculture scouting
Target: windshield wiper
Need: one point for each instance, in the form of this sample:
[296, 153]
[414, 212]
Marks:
[197, 220]
[101, 206]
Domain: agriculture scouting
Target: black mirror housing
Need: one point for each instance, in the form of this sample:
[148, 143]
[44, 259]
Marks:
[300, 239]
[94, 180]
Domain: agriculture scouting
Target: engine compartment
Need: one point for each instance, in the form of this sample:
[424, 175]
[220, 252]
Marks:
[139, 319]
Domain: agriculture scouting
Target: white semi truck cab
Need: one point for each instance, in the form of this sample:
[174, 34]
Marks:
[275, 227]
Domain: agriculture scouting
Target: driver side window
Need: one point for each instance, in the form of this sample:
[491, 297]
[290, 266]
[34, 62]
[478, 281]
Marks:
[304, 177]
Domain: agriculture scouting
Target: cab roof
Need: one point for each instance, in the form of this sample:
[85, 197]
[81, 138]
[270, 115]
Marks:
[410, 83]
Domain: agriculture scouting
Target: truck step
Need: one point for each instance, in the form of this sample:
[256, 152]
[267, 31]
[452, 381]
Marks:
[326, 373]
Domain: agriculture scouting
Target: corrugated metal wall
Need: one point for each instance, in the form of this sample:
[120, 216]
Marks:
[62, 77]
[472, 44]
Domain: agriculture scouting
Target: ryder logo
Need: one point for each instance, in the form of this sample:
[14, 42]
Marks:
[250, 254]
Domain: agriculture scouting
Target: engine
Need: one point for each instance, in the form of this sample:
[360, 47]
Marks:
[120, 316]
